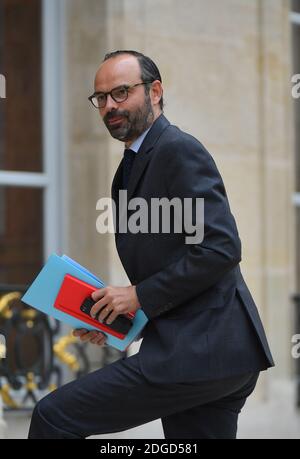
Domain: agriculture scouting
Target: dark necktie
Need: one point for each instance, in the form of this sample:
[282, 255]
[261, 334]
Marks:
[128, 160]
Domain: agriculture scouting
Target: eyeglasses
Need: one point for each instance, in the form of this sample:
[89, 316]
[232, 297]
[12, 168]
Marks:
[119, 94]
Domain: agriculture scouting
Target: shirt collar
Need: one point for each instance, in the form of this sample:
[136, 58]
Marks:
[135, 146]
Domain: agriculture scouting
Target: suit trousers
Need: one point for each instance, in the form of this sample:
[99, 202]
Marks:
[118, 397]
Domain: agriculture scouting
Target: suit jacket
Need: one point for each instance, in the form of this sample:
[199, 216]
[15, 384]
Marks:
[203, 322]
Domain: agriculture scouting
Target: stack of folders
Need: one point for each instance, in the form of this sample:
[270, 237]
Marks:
[63, 291]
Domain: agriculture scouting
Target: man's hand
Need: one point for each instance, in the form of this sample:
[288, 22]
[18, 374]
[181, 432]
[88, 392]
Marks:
[94, 337]
[117, 300]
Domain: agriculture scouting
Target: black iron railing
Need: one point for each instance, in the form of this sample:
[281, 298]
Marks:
[35, 353]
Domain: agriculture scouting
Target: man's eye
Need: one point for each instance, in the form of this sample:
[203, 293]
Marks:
[120, 93]
[101, 97]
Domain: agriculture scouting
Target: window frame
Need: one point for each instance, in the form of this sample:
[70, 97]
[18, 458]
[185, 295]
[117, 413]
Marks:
[50, 180]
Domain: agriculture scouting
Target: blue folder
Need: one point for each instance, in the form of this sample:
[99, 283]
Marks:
[43, 291]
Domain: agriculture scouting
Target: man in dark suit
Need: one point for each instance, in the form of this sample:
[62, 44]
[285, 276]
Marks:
[204, 344]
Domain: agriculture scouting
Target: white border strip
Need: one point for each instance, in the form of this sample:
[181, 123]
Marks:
[296, 199]
[24, 179]
[53, 37]
[295, 18]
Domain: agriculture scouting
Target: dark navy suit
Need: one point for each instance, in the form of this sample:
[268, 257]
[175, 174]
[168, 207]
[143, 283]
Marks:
[204, 344]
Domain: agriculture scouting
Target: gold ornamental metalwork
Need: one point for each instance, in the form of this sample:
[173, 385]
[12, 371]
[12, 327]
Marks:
[5, 300]
[64, 356]
[7, 398]
[59, 349]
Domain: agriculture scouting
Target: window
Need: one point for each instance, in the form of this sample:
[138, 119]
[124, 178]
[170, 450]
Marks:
[21, 111]
[296, 6]
[30, 137]
[21, 235]
[21, 209]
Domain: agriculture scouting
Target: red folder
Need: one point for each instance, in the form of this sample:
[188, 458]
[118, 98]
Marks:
[70, 297]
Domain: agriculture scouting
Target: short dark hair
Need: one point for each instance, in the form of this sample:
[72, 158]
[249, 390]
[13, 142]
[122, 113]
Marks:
[149, 70]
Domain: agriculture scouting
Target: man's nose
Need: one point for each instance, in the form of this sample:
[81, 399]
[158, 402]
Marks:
[110, 104]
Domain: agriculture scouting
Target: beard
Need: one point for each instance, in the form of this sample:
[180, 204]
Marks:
[132, 124]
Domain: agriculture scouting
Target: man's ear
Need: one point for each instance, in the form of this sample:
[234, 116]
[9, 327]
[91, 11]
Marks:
[156, 92]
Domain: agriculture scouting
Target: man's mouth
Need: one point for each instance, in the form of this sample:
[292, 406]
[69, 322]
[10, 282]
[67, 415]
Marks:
[115, 120]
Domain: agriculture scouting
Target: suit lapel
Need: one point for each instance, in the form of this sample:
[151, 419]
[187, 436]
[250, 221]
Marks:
[141, 160]
[140, 163]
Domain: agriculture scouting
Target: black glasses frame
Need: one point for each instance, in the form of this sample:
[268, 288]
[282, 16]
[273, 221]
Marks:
[126, 87]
